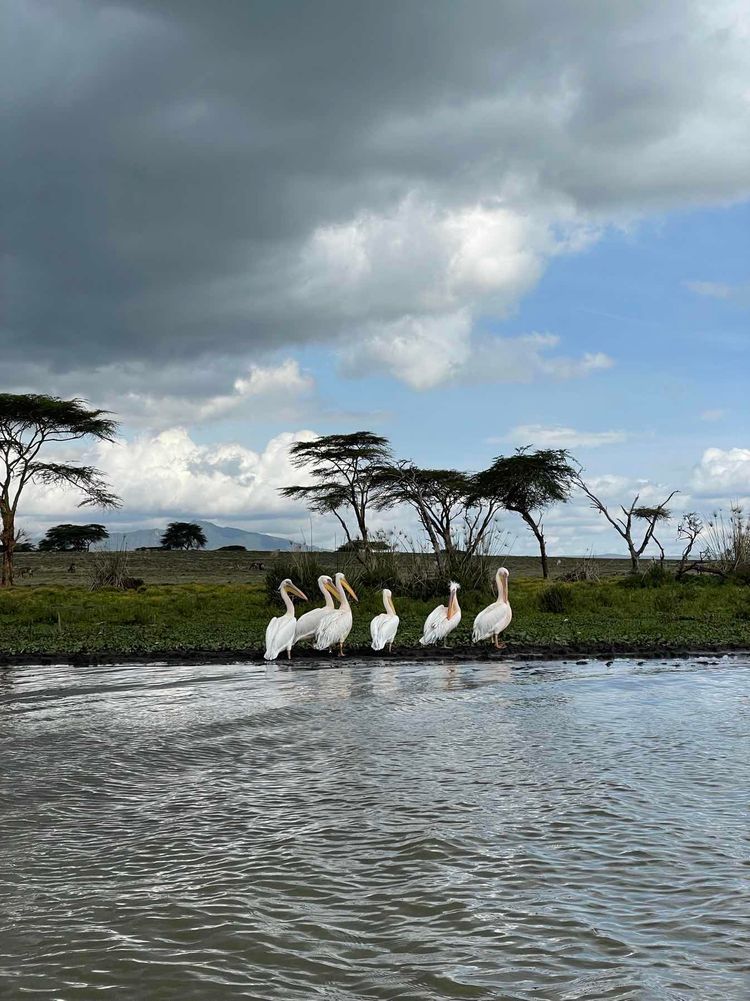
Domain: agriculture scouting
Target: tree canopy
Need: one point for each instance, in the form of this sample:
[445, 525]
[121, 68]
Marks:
[529, 482]
[183, 535]
[75, 538]
[447, 502]
[343, 468]
[29, 423]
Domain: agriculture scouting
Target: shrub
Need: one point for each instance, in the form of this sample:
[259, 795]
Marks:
[741, 575]
[110, 569]
[585, 569]
[302, 567]
[556, 598]
[656, 575]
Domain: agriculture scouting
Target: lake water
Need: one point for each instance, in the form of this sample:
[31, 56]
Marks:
[389, 830]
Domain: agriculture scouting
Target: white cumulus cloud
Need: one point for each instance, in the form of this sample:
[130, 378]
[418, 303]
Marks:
[723, 473]
[171, 474]
[560, 437]
[424, 353]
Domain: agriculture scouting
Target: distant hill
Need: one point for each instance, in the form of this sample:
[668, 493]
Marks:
[216, 537]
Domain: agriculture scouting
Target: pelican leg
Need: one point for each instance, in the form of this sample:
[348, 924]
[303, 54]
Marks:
[341, 649]
[288, 653]
[390, 647]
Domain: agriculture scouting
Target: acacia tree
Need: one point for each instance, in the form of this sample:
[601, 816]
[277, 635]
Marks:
[447, 502]
[344, 470]
[689, 532]
[626, 524]
[183, 535]
[76, 538]
[528, 483]
[28, 424]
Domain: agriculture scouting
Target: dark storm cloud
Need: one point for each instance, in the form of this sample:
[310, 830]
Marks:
[167, 163]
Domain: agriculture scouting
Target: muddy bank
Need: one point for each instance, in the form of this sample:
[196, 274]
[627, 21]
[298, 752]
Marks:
[307, 657]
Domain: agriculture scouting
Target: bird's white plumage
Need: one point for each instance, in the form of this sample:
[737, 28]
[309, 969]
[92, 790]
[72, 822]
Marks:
[309, 623]
[335, 626]
[279, 636]
[280, 630]
[383, 627]
[493, 619]
[442, 620]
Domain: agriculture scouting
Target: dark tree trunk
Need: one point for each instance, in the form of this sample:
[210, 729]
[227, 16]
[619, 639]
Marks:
[543, 554]
[9, 541]
[539, 535]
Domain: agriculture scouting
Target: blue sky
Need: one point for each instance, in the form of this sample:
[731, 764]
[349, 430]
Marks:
[524, 229]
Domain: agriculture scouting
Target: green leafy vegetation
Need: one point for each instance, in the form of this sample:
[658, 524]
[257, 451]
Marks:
[190, 618]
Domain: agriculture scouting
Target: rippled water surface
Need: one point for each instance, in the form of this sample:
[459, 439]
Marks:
[389, 830]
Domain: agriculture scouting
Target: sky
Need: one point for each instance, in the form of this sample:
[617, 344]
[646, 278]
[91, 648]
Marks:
[467, 226]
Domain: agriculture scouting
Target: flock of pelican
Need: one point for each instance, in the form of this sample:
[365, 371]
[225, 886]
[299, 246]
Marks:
[328, 627]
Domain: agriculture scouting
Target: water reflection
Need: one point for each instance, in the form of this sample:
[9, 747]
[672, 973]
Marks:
[387, 830]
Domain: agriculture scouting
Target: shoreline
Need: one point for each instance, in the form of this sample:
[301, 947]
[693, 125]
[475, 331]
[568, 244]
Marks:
[313, 658]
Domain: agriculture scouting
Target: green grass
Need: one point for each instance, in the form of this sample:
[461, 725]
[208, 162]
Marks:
[188, 618]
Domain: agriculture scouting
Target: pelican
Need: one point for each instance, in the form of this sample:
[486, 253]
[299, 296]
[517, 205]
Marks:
[307, 624]
[495, 617]
[335, 626]
[280, 630]
[443, 619]
[384, 626]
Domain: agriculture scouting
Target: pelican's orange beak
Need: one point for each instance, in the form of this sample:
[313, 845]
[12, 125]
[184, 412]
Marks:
[295, 590]
[347, 587]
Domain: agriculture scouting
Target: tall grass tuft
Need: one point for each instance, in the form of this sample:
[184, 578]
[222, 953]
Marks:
[727, 542]
[110, 569]
[302, 567]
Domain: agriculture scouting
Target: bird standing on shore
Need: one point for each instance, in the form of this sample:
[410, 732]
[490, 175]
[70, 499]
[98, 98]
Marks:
[280, 630]
[493, 619]
[383, 627]
[443, 619]
[309, 623]
[335, 626]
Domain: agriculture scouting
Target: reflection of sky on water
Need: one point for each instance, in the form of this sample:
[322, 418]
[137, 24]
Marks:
[431, 830]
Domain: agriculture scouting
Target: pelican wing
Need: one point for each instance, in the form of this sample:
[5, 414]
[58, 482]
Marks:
[279, 635]
[491, 621]
[309, 623]
[383, 629]
[334, 628]
[437, 625]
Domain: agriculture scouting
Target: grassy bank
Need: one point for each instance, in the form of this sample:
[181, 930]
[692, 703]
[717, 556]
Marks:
[605, 617]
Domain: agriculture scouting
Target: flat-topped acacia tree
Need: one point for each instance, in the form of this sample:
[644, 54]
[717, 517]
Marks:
[183, 535]
[528, 483]
[452, 512]
[28, 424]
[343, 468]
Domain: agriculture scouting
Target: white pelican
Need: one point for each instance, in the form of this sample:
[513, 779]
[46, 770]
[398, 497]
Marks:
[308, 624]
[383, 627]
[280, 631]
[491, 621]
[335, 626]
[443, 619]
